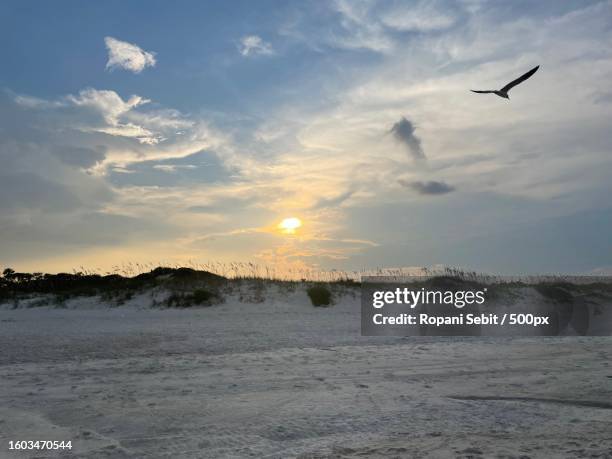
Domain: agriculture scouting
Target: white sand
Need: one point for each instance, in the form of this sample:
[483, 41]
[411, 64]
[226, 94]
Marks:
[284, 379]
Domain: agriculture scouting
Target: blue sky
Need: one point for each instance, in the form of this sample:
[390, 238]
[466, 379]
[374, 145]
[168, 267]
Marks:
[175, 131]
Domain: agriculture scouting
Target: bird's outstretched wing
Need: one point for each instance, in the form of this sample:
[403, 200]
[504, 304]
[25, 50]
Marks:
[482, 92]
[519, 80]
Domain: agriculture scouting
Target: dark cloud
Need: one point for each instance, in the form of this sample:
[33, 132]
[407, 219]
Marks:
[403, 131]
[428, 188]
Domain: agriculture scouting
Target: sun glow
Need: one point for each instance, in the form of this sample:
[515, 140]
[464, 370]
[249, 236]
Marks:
[290, 225]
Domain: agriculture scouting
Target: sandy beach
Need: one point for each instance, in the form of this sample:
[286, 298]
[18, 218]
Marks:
[283, 379]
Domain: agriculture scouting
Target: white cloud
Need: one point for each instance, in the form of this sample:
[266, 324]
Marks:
[108, 103]
[253, 45]
[132, 134]
[112, 108]
[127, 56]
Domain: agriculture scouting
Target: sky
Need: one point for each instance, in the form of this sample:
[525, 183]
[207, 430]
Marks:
[176, 132]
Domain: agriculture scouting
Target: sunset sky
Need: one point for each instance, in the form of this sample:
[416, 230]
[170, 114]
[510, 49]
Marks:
[150, 131]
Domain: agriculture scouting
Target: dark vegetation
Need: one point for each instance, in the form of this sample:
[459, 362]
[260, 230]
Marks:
[199, 297]
[557, 292]
[188, 287]
[320, 295]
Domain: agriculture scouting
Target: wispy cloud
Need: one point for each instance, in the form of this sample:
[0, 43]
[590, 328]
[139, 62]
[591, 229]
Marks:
[359, 28]
[128, 56]
[333, 201]
[380, 26]
[173, 167]
[253, 45]
[423, 17]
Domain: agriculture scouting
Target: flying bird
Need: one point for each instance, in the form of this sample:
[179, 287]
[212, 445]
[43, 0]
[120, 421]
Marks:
[503, 92]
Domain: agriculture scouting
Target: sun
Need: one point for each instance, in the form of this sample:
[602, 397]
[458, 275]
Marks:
[289, 225]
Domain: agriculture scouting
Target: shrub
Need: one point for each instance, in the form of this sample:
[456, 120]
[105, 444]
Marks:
[201, 296]
[557, 293]
[319, 295]
[174, 301]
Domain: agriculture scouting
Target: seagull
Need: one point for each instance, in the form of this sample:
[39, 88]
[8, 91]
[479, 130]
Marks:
[503, 92]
